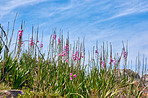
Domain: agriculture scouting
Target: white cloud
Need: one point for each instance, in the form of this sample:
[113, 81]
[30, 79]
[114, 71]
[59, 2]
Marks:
[122, 8]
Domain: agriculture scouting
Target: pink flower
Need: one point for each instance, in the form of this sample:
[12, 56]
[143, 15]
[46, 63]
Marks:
[66, 49]
[70, 74]
[75, 57]
[114, 63]
[70, 78]
[31, 42]
[74, 75]
[96, 51]
[112, 60]
[62, 55]
[41, 45]
[59, 41]
[124, 54]
[76, 52]
[20, 34]
[37, 41]
[67, 60]
[103, 63]
[20, 31]
[54, 36]
[78, 58]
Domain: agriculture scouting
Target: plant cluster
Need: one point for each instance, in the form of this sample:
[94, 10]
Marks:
[64, 72]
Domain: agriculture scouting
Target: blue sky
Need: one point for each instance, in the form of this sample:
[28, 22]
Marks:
[102, 20]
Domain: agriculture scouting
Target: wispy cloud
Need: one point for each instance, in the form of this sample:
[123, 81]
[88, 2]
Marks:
[132, 8]
[117, 9]
[94, 11]
[6, 6]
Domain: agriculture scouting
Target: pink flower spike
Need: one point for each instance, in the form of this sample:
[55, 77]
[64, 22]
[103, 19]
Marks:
[78, 58]
[70, 74]
[74, 75]
[54, 36]
[114, 63]
[20, 34]
[96, 51]
[70, 78]
[41, 45]
[103, 63]
[67, 60]
[31, 42]
[59, 54]
[124, 54]
[59, 41]
[37, 41]
[76, 52]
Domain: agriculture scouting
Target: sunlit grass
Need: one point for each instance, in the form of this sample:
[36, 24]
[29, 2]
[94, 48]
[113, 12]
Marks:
[64, 72]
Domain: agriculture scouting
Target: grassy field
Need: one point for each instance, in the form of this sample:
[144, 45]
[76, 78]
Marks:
[64, 73]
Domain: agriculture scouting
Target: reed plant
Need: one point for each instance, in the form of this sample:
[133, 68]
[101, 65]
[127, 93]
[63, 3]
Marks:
[63, 72]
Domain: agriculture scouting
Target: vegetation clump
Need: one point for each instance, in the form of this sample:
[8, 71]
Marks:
[63, 71]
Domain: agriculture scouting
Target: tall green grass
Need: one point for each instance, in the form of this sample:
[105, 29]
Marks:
[64, 73]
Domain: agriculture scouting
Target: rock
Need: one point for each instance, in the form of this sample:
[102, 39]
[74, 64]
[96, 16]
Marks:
[128, 72]
[10, 93]
[145, 79]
